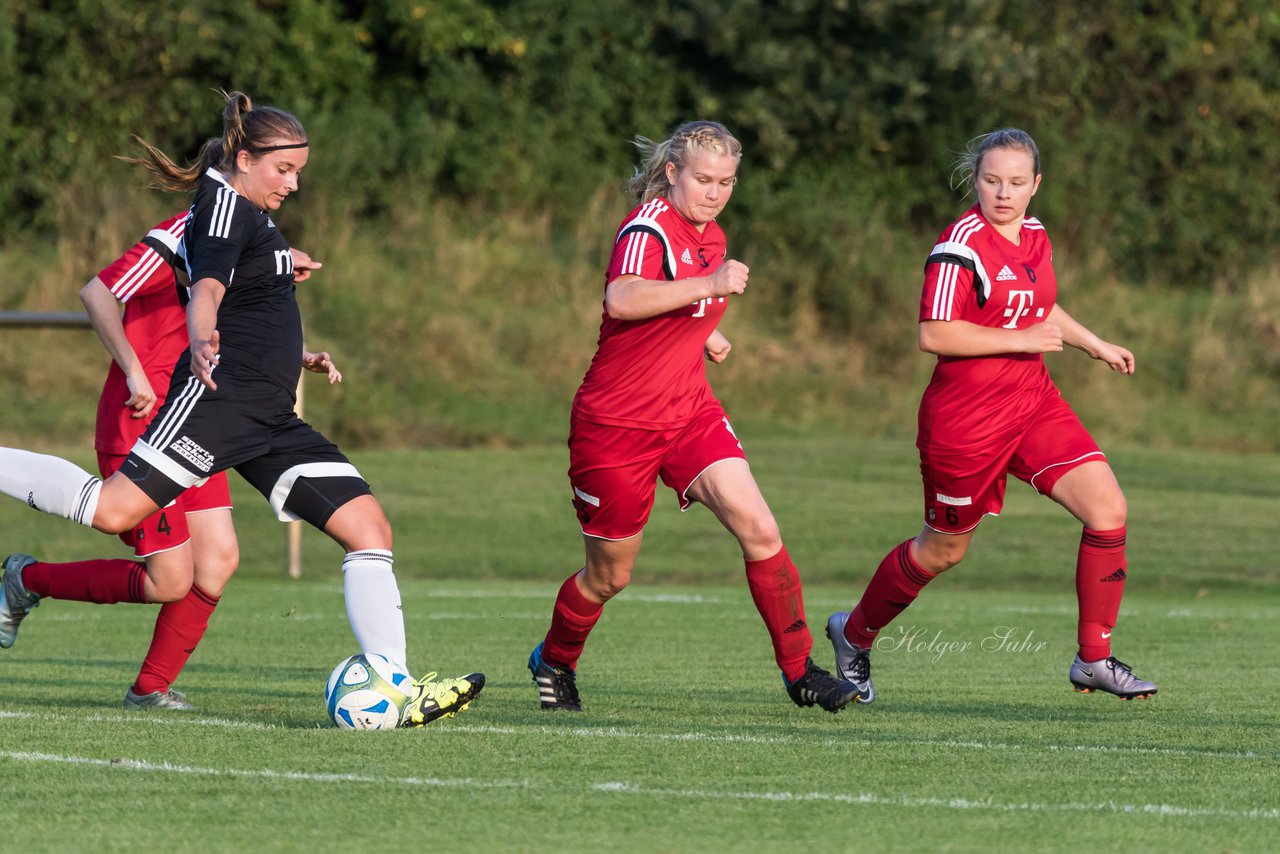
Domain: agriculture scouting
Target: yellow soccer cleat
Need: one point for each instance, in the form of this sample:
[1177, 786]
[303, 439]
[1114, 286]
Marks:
[433, 699]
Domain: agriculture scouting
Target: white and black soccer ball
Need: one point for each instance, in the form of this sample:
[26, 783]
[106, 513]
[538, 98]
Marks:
[367, 691]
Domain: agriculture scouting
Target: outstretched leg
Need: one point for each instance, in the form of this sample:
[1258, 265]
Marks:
[61, 488]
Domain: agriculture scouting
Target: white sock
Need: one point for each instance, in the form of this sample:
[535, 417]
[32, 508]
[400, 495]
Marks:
[49, 484]
[373, 603]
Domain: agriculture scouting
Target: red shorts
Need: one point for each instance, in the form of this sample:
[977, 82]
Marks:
[166, 528]
[614, 470]
[959, 489]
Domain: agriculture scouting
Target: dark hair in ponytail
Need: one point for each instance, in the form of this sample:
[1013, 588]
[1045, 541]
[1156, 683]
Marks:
[244, 128]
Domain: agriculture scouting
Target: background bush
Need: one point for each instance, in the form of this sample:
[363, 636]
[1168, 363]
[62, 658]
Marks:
[468, 158]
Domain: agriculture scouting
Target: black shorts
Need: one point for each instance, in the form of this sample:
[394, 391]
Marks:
[250, 427]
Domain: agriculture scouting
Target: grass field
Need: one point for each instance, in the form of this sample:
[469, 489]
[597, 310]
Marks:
[975, 741]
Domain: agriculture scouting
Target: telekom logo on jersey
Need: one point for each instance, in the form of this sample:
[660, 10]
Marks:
[1019, 307]
[702, 305]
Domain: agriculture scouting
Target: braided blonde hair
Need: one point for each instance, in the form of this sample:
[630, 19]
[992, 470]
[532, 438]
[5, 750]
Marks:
[702, 137]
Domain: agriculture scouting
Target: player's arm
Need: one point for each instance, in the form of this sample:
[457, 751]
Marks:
[717, 347]
[321, 363]
[202, 328]
[629, 297]
[104, 316]
[1077, 335]
[962, 338]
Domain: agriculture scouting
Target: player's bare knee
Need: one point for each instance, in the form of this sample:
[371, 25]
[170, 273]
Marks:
[936, 557]
[111, 520]
[376, 536]
[220, 559]
[605, 589]
[1107, 513]
[170, 589]
[605, 580]
[362, 527]
[760, 535]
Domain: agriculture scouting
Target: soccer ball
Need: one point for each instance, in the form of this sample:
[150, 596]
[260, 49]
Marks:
[367, 691]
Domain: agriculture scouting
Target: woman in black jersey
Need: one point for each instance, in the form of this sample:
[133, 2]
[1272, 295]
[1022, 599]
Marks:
[231, 398]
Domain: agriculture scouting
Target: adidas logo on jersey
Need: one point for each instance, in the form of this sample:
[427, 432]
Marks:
[686, 258]
[1006, 275]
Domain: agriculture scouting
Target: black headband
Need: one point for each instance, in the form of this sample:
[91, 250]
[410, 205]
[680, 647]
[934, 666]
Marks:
[264, 149]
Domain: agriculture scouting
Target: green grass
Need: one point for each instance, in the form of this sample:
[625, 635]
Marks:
[688, 742]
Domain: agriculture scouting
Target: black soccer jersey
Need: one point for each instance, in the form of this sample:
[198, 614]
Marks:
[230, 239]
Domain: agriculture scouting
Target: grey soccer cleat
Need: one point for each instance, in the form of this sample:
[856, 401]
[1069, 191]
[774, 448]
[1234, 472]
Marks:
[1110, 675]
[171, 700]
[15, 600]
[853, 663]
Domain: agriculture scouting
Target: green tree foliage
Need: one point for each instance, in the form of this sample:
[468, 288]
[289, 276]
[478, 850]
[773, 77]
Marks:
[1155, 119]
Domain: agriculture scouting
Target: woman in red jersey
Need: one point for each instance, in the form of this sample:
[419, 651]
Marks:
[189, 547]
[645, 410]
[989, 311]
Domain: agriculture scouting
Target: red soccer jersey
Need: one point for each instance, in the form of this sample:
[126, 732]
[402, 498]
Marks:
[975, 274]
[650, 373]
[155, 324]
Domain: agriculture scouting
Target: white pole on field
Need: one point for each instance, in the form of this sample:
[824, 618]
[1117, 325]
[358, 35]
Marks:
[293, 530]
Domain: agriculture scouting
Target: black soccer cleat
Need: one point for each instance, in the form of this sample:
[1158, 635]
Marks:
[557, 686]
[819, 687]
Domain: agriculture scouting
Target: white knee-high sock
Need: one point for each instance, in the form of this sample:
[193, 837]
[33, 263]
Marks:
[373, 603]
[50, 484]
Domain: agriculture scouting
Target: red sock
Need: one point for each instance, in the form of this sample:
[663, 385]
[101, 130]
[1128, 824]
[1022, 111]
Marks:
[896, 584]
[572, 620]
[775, 588]
[105, 581]
[1100, 574]
[179, 628]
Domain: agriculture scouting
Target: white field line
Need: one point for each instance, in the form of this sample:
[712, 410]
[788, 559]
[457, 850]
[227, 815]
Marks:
[821, 602]
[862, 798]
[444, 730]
[816, 605]
[943, 803]
[548, 595]
[260, 773]
[1145, 611]
[165, 719]
[624, 596]
[947, 744]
